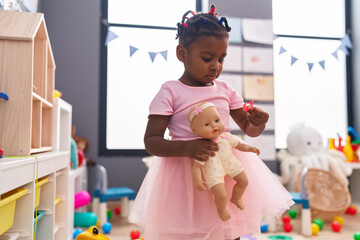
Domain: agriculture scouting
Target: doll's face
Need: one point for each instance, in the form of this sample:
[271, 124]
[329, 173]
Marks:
[207, 124]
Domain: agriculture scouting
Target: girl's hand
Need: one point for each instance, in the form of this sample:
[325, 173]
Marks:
[200, 149]
[200, 186]
[255, 150]
[257, 116]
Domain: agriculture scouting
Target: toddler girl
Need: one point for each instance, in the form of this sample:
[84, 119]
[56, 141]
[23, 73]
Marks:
[168, 206]
[206, 122]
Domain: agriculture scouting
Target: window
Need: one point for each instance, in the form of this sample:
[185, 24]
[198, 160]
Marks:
[311, 69]
[135, 63]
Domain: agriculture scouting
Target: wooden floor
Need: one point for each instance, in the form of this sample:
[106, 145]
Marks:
[121, 230]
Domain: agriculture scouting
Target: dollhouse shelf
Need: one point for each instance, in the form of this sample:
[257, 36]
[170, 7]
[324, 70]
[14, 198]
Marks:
[27, 75]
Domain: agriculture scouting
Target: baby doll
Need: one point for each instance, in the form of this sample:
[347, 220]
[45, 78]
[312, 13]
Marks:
[205, 122]
[83, 146]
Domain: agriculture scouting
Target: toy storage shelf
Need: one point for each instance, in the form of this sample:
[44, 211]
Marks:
[53, 167]
[27, 75]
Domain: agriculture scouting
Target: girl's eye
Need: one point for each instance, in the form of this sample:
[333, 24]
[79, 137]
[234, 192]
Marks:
[207, 124]
[217, 120]
[206, 59]
[221, 60]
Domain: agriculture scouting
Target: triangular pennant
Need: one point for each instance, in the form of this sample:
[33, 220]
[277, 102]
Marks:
[152, 56]
[310, 65]
[132, 50]
[322, 64]
[293, 60]
[282, 50]
[346, 41]
[344, 49]
[110, 36]
[164, 54]
[335, 54]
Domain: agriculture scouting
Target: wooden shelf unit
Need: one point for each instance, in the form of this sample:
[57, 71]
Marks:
[27, 76]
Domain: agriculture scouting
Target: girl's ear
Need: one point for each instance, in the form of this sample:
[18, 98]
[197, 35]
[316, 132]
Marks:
[181, 52]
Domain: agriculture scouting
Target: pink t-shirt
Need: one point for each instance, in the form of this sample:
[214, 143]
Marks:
[176, 99]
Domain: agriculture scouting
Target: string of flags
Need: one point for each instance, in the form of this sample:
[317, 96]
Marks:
[345, 45]
[111, 36]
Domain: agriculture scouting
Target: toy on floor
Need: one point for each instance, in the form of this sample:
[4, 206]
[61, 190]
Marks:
[314, 229]
[280, 237]
[134, 234]
[85, 219]
[319, 222]
[351, 210]
[92, 234]
[292, 214]
[82, 199]
[336, 226]
[339, 220]
[357, 236]
[117, 210]
[77, 232]
[4, 96]
[107, 227]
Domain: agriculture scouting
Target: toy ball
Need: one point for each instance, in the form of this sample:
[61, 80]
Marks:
[315, 228]
[107, 227]
[319, 222]
[287, 227]
[286, 219]
[117, 210]
[351, 210]
[357, 236]
[109, 215]
[77, 232]
[135, 234]
[339, 220]
[292, 214]
[336, 226]
[263, 228]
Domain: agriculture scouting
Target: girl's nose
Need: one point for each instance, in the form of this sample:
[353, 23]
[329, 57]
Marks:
[215, 66]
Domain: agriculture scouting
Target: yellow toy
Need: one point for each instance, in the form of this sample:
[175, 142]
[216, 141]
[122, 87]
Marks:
[349, 153]
[92, 234]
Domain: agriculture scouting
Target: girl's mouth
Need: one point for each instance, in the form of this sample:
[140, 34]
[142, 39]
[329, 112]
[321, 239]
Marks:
[215, 131]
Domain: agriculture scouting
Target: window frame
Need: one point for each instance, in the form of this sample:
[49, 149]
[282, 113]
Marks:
[103, 150]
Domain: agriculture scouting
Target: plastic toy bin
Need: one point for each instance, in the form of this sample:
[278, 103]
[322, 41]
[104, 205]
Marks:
[41, 182]
[7, 208]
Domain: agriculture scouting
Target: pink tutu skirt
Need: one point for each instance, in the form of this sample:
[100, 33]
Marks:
[169, 207]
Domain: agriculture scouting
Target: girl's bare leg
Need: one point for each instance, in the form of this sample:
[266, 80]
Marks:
[239, 189]
[220, 196]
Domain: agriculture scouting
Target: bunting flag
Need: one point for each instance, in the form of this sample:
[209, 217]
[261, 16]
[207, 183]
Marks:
[310, 65]
[282, 50]
[110, 36]
[322, 64]
[164, 54]
[345, 45]
[132, 50]
[152, 56]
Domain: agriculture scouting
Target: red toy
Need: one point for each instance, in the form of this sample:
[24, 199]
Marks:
[1, 153]
[117, 210]
[351, 210]
[287, 227]
[286, 219]
[247, 107]
[336, 226]
[135, 234]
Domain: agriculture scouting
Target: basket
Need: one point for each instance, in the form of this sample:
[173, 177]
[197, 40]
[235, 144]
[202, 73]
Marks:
[7, 208]
[328, 196]
[41, 182]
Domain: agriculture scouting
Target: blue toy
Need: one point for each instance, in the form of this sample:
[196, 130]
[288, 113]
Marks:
[107, 227]
[77, 232]
[4, 96]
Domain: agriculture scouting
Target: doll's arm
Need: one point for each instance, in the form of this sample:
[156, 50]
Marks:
[197, 176]
[252, 122]
[156, 145]
[247, 148]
